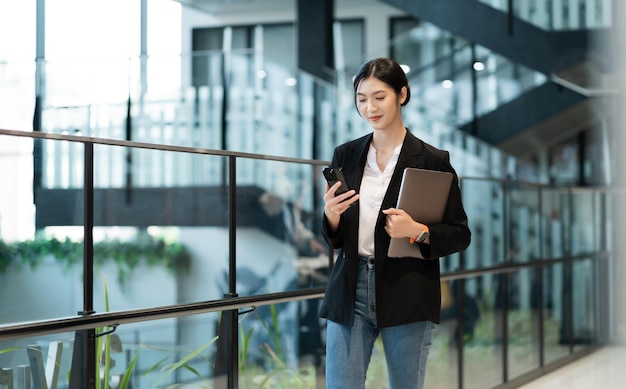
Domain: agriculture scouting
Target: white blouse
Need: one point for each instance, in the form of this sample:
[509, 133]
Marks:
[373, 188]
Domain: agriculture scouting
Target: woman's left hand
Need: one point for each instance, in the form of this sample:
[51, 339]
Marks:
[400, 225]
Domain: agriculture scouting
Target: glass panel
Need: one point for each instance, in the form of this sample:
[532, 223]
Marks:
[44, 278]
[269, 348]
[556, 345]
[582, 227]
[559, 14]
[442, 367]
[523, 322]
[555, 204]
[160, 347]
[523, 226]
[483, 350]
[584, 305]
[348, 39]
[279, 244]
[17, 214]
[500, 80]
[38, 261]
[22, 359]
[483, 204]
[17, 94]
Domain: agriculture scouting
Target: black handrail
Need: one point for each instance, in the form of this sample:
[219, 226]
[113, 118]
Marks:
[87, 321]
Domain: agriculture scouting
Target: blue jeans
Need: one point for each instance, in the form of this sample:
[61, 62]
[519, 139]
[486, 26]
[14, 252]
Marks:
[349, 349]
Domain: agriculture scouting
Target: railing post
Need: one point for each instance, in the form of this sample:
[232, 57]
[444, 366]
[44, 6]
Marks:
[511, 16]
[83, 373]
[540, 281]
[232, 315]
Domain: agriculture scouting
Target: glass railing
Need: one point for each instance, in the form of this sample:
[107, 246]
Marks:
[559, 15]
[264, 108]
[471, 82]
[454, 81]
[170, 264]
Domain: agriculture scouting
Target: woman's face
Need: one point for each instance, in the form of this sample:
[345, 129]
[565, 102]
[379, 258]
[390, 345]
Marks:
[379, 104]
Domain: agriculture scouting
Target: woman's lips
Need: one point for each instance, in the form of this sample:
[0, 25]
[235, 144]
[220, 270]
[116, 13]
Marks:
[375, 118]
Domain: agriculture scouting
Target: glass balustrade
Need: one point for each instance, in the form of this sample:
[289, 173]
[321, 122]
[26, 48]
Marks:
[559, 15]
[269, 111]
[235, 102]
[167, 245]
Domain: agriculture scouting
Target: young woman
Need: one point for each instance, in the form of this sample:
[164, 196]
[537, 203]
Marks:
[369, 294]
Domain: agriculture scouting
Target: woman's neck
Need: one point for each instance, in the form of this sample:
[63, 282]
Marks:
[387, 141]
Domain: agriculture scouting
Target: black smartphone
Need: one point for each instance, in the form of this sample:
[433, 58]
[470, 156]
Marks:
[333, 175]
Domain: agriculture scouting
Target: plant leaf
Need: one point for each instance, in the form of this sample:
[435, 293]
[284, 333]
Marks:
[184, 361]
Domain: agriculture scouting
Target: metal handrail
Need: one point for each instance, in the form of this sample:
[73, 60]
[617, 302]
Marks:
[85, 323]
[114, 319]
[157, 146]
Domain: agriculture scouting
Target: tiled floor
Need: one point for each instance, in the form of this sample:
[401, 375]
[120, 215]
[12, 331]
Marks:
[603, 369]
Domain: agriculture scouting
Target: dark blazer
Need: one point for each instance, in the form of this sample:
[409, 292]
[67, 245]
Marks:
[407, 289]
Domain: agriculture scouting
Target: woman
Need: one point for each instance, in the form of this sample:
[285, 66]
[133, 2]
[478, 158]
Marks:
[369, 294]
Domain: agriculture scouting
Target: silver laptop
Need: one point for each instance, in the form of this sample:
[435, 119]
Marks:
[423, 195]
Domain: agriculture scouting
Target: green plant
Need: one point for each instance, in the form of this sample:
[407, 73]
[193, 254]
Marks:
[104, 358]
[280, 375]
[8, 350]
[128, 255]
[170, 368]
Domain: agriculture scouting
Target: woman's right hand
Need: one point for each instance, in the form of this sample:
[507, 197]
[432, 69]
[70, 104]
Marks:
[334, 206]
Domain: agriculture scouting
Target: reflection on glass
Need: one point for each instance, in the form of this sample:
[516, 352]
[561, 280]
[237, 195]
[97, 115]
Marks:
[46, 273]
[25, 362]
[523, 322]
[583, 226]
[279, 242]
[523, 230]
[584, 307]
[483, 202]
[556, 345]
[559, 14]
[483, 349]
[280, 349]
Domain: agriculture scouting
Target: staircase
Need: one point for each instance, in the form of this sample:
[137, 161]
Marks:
[542, 39]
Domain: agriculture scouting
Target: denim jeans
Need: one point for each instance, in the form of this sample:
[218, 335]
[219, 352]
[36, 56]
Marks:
[349, 349]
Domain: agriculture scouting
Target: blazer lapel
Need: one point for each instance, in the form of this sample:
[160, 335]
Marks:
[357, 157]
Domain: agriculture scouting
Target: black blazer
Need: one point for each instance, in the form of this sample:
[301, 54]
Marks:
[407, 289]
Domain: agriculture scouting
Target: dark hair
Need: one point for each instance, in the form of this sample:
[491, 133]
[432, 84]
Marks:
[385, 70]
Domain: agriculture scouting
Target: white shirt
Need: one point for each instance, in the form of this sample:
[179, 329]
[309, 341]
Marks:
[373, 188]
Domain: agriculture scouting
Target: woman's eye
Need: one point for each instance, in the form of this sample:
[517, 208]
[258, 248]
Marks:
[380, 98]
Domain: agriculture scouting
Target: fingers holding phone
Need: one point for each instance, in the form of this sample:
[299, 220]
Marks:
[339, 196]
[334, 176]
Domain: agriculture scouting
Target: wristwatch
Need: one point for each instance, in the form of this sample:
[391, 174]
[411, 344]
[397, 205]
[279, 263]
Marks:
[421, 238]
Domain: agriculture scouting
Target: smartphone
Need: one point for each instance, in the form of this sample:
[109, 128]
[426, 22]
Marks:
[333, 175]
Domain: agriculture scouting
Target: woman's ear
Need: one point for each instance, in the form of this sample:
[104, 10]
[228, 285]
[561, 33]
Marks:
[403, 95]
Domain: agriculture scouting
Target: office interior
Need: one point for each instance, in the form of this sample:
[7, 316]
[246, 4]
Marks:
[162, 192]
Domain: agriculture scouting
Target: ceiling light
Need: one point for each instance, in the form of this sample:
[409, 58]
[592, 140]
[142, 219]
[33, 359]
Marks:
[479, 66]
